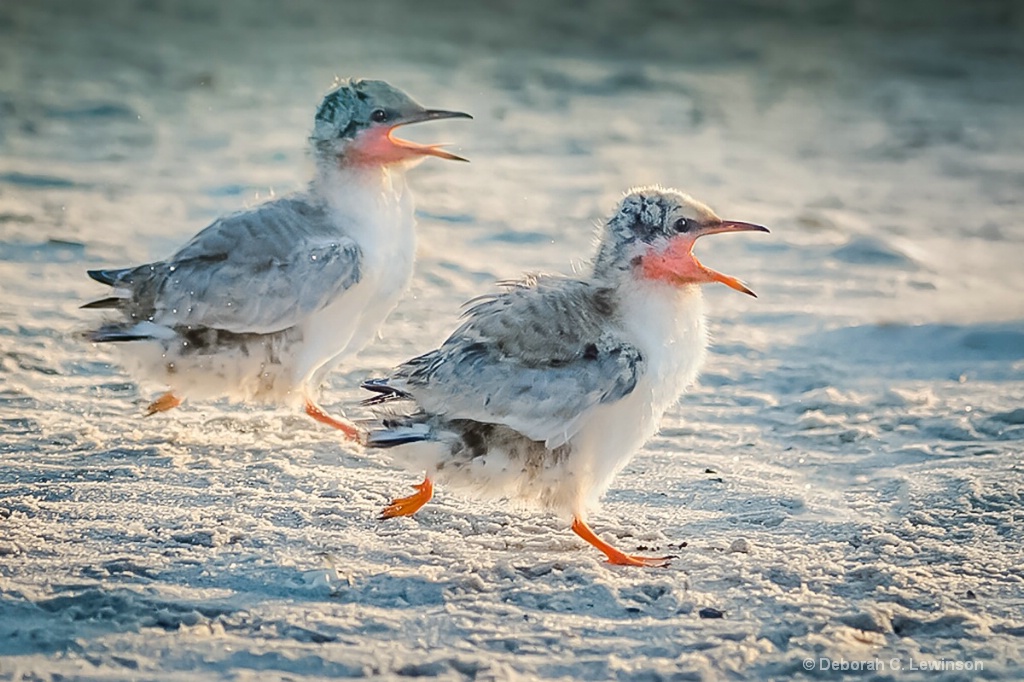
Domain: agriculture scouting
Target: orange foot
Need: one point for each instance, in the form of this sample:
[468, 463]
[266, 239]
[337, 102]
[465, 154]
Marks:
[351, 431]
[614, 555]
[407, 506]
[168, 401]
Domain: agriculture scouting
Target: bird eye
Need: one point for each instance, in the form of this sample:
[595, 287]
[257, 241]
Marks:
[683, 225]
[379, 116]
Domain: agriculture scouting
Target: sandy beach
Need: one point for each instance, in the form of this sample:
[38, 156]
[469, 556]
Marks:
[843, 487]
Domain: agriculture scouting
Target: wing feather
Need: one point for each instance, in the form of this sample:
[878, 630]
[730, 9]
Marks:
[536, 358]
[259, 271]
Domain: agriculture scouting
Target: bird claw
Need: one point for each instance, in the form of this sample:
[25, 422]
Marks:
[633, 560]
[407, 506]
[615, 556]
[168, 401]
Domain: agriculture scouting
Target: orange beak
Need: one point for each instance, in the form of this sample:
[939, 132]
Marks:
[376, 145]
[718, 228]
[416, 149]
[678, 265]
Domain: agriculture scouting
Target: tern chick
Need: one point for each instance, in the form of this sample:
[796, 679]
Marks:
[548, 389]
[261, 304]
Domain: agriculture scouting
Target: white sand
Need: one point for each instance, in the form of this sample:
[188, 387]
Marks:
[846, 478]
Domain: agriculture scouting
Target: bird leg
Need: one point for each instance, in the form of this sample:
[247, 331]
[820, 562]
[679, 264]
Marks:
[168, 401]
[407, 506]
[614, 555]
[351, 431]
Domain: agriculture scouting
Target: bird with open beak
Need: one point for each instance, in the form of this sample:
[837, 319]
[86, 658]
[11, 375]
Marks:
[261, 304]
[549, 389]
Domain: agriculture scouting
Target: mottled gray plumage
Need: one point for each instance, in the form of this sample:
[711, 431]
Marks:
[350, 107]
[260, 271]
[643, 218]
[261, 304]
[539, 356]
[355, 105]
[547, 390]
[534, 358]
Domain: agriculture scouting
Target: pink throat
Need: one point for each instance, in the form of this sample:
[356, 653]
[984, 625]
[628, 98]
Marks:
[675, 265]
[376, 147]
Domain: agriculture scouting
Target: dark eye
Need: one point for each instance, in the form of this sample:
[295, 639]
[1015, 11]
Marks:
[379, 116]
[683, 225]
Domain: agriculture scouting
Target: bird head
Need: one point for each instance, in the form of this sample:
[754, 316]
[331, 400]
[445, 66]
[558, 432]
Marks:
[651, 237]
[355, 122]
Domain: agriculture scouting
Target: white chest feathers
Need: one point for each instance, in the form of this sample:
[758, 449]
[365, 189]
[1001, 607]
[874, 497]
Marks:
[667, 326]
[378, 213]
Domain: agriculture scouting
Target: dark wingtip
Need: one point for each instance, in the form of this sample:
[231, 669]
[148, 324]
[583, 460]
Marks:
[112, 277]
[383, 441]
[114, 335]
[385, 393]
[376, 385]
[102, 276]
[109, 302]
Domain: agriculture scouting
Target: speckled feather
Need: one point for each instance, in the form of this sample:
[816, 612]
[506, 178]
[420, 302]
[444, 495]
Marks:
[536, 358]
[256, 272]
[262, 304]
[548, 389]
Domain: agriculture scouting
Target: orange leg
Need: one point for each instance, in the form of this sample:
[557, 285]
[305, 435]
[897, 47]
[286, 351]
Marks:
[614, 555]
[351, 431]
[407, 506]
[168, 401]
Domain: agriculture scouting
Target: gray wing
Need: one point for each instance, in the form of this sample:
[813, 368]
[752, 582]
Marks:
[537, 359]
[259, 271]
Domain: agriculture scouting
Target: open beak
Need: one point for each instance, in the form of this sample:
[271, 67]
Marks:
[414, 148]
[719, 228]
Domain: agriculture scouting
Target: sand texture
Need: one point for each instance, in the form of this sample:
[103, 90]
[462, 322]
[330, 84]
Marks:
[845, 481]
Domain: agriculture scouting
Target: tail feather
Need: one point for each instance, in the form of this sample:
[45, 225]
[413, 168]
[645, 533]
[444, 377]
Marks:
[142, 331]
[112, 335]
[395, 430]
[391, 436]
[385, 393]
[110, 277]
[109, 302]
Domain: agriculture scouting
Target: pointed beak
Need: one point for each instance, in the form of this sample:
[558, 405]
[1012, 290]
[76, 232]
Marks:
[433, 115]
[719, 228]
[415, 148]
[730, 226]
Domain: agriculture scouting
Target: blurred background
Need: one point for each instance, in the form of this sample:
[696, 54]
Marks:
[867, 405]
[867, 133]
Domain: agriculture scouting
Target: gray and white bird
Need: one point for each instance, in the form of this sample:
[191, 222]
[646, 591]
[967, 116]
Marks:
[261, 304]
[548, 389]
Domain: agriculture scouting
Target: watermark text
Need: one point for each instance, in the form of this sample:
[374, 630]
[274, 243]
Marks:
[897, 663]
